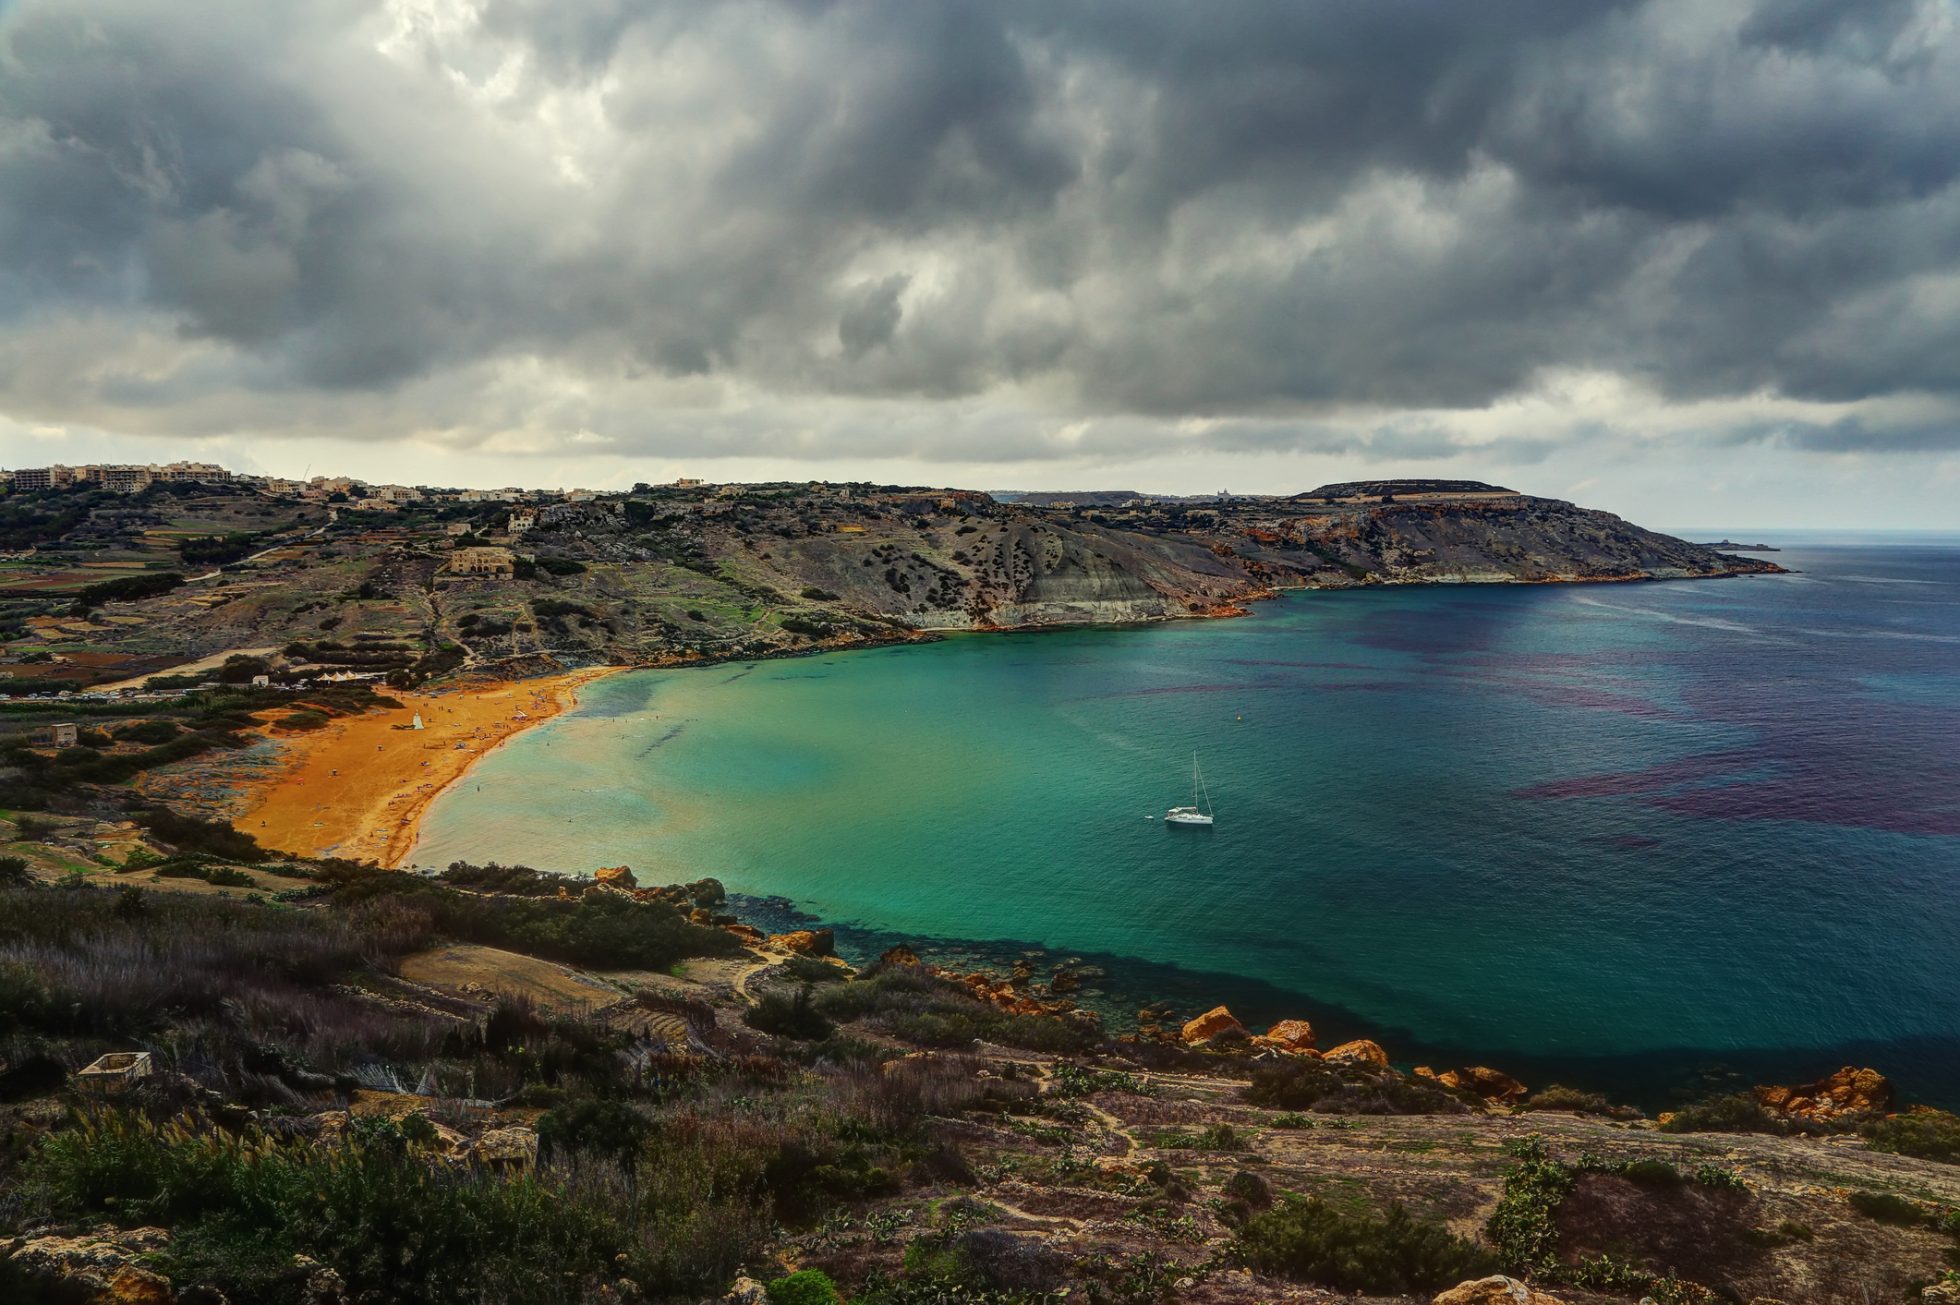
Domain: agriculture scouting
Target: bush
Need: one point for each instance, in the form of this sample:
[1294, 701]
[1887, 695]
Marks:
[596, 928]
[1560, 1097]
[804, 1287]
[1347, 1089]
[1737, 1113]
[1923, 1132]
[393, 1226]
[610, 1129]
[789, 1017]
[1887, 1208]
[125, 589]
[149, 731]
[1311, 1241]
[13, 871]
[191, 834]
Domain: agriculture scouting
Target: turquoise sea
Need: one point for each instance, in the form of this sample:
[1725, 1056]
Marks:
[1651, 836]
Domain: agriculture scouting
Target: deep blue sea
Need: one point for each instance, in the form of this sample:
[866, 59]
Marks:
[1655, 837]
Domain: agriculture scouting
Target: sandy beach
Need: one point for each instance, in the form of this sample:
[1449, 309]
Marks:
[357, 788]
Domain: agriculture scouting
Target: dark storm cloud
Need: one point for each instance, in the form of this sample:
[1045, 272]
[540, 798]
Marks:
[1273, 212]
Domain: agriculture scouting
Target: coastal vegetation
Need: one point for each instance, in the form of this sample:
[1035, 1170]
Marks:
[319, 1127]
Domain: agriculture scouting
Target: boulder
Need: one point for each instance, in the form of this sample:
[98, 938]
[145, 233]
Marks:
[901, 955]
[806, 942]
[94, 1261]
[1495, 1290]
[1361, 1051]
[1288, 1035]
[1483, 1081]
[1210, 1024]
[1940, 1293]
[134, 1286]
[746, 1291]
[1847, 1095]
[506, 1148]
[615, 876]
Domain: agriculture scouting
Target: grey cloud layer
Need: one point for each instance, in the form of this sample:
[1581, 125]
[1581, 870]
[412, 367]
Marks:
[550, 216]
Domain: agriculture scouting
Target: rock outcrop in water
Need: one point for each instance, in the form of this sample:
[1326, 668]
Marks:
[1849, 1094]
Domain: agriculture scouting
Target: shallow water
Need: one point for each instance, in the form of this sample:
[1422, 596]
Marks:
[1612, 832]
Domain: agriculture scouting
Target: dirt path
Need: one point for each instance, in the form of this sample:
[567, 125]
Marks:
[211, 663]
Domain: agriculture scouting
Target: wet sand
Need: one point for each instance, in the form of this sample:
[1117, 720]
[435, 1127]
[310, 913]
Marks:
[357, 787]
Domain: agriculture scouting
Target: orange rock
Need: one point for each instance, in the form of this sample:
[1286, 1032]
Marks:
[1359, 1052]
[807, 942]
[1209, 1025]
[1496, 1290]
[1482, 1081]
[1848, 1094]
[1294, 1034]
[134, 1286]
[901, 955]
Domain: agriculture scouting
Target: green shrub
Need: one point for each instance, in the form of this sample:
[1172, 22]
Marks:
[789, 1016]
[1311, 1241]
[1524, 1226]
[804, 1287]
[1736, 1113]
[1923, 1132]
[1560, 1097]
[1887, 1208]
[191, 834]
[392, 1225]
[597, 928]
[13, 871]
[611, 1129]
[124, 589]
[1347, 1089]
[1650, 1173]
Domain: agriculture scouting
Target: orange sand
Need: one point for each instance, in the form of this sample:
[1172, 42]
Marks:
[357, 787]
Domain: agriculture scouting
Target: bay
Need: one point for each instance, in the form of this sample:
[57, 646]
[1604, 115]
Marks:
[1650, 836]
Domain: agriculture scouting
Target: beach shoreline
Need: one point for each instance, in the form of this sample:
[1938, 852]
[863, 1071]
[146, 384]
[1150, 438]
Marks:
[359, 786]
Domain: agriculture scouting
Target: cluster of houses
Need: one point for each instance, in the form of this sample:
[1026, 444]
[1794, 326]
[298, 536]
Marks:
[119, 477]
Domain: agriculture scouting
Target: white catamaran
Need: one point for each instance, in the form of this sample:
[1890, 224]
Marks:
[1199, 812]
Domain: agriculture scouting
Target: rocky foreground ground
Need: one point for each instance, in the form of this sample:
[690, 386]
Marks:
[757, 1121]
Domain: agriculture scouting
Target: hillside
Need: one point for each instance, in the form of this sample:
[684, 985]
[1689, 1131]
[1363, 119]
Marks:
[112, 587]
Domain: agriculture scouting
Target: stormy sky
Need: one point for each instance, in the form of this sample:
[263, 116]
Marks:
[1697, 261]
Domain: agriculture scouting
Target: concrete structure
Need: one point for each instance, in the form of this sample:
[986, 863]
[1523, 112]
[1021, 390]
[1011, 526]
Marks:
[63, 735]
[115, 1073]
[499, 562]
